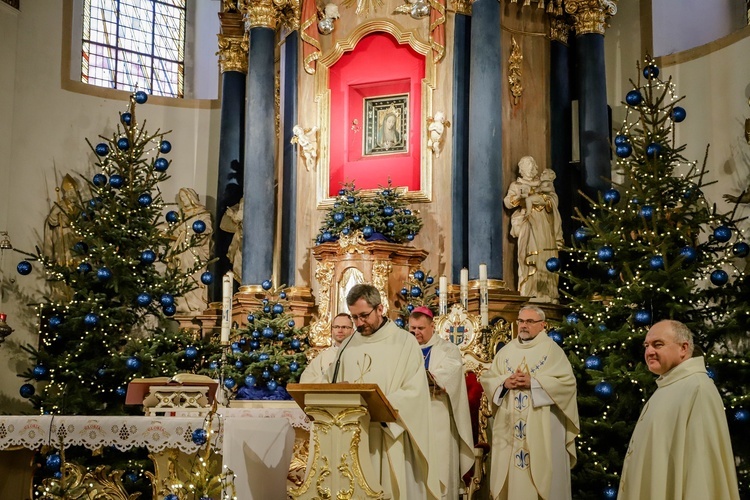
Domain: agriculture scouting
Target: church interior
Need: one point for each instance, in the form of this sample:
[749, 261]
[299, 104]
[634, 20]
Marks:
[465, 156]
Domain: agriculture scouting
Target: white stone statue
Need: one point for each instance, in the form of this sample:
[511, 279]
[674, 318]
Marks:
[186, 258]
[231, 222]
[435, 133]
[537, 225]
[307, 139]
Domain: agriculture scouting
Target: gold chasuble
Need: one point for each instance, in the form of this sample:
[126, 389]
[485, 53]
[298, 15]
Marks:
[680, 447]
[533, 434]
[400, 450]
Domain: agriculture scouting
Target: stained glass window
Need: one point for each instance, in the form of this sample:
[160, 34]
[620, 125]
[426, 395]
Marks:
[129, 44]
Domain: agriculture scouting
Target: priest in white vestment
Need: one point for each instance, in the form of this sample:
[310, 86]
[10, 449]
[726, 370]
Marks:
[381, 353]
[533, 391]
[342, 327]
[449, 403]
[680, 448]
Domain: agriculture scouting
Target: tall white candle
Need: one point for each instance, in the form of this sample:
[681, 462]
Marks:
[443, 302]
[484, 306]
[226, 307]
[464, 290]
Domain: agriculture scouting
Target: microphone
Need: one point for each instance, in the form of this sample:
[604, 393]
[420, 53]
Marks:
[338, 358]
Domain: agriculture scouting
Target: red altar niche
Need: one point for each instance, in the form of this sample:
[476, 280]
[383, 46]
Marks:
[376, 115]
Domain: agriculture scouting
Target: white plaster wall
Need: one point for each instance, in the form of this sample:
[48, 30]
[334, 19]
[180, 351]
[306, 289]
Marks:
[43, 130]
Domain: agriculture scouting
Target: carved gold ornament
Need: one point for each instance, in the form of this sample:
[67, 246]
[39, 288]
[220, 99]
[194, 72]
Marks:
[320, 328]
[514, 71]
[590, 16]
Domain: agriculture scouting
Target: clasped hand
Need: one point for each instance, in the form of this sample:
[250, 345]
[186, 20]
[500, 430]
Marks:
[518, 380]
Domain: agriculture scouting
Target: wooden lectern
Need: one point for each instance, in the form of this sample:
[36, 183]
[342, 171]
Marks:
[340, 466]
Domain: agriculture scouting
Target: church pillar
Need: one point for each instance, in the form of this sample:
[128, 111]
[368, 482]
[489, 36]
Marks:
[485, 151]
[566, 182]
[460, 160]
[289, 77]
[259, 215]
[589, 18]
[233, 65]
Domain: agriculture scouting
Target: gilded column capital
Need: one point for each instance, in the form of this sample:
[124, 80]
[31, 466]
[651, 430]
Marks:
[559, 30]
[590, 16]
[462, 7]
[260, 14]
[233, 44]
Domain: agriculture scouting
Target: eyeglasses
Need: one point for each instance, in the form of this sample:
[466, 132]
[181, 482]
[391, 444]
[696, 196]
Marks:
[363, 316]
[528, 321]
[341, 327]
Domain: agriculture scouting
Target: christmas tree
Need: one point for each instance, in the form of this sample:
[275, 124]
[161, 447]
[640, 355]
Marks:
[385, 215]
[267, 354]
[651, 248]
[116, 280]
[419, 290]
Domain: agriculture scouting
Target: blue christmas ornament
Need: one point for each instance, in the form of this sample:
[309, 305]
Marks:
[250, 318]
[140, 97]
[605, 253]
[171, 216]
[145, 199]
[207, 278]
[27, 390]
[133, 363]
[199, 226]
[621, 140]
[102, 149]
[238, 364]
[172, 496]
[367, 231]
[418, 275]
[653, 149]
[23, 268]
[166, 299]
[291, 323]
[55, 321]
[404, 291]
[553, 264]
[741, 249]
[416, 291]
[350, 199]
[99, 180]
[623, 151]
[741, 415]
[91, 319]
[410, 308]
[342, 192]
[267, 309]
[711, 373]
[53, 462]
[609, 493]
[719, 277]
[642, 317]
[200, 436]
[116, 181]
[80, 247]
[84, 267]
[280, 336]
[612, 196]
[388, 211]
[161, 164]
[123, 143]
[143, 299]
[572, 318]
[678, 114]
[267, 284]
[293, 366]
[295, 343]
[191, 352]
[268, 332]
[581, 234]
[101, 372]
[602, 327]
[126, 118]
[556, 336]
[429, 280]
[229, 383]
[272, 385]
[593, 363]
[603, 390]
[276, 367]
[651, 71]
[346, 231]
[39, 371]
[243, 341]
[390, 224]
[249, 381]
[148, 256]
[722, 234]
[165, 147]
[656, 262]
[634, 98]
[265, 374]
[254, 344]
[357, 218]
[338, 217]
[169, 310]
[278, 309]
[399, 322]
[647, 212]
[103, 273]
[688, 254]
[121, 391]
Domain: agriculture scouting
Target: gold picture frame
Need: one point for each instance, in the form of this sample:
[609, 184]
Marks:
[386, 120]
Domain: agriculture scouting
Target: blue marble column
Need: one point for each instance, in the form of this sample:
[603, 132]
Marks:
[485, 142]
[460, 132]
[233, 64]
[259, 216]
[289, 76]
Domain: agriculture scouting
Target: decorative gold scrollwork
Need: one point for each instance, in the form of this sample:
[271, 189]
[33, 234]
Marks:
[514, 71]
[320, 328]
[590, 16]
[380, 271]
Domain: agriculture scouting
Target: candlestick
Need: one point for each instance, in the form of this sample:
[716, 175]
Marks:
[443, 302]
[226, 307]
[484, 306]
[465, 288]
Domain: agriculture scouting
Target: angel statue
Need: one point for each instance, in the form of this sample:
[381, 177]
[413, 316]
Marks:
[307, 139]
[330, 13]
[435, 131]
[231, 222]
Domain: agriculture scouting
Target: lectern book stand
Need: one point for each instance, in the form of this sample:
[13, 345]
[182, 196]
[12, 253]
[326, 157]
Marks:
[340, 465]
